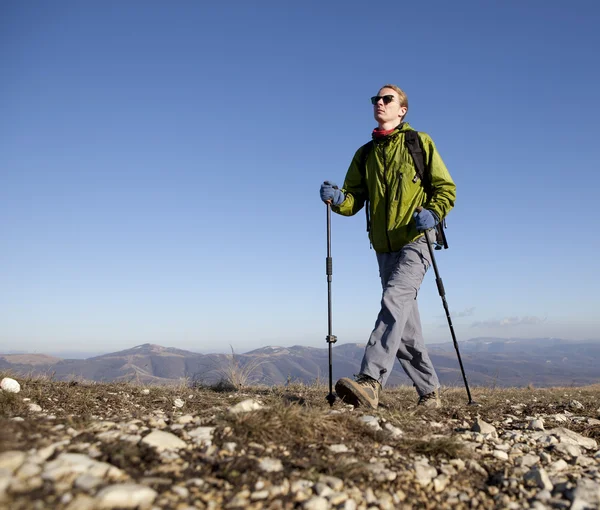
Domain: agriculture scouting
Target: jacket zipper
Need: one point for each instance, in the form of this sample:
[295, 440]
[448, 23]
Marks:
[397, 198]
[387, 200]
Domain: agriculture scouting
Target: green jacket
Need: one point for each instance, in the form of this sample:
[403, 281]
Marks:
[393, 196]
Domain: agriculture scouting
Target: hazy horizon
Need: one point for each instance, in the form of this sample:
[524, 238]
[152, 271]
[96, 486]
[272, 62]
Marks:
[74, 354]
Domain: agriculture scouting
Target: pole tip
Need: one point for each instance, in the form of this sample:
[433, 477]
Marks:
[331, 399]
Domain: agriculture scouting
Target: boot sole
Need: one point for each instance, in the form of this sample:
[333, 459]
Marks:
[349, 392]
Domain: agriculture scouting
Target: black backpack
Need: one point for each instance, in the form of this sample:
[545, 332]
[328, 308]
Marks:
[413, 144]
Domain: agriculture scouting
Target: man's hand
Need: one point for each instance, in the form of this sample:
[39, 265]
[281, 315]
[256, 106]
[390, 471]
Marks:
[425, 219]
[330, 194]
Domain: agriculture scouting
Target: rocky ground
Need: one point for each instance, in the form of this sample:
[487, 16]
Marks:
[75, 446]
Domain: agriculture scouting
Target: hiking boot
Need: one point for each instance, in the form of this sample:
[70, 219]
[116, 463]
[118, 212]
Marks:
[364, 391]
[431, 400]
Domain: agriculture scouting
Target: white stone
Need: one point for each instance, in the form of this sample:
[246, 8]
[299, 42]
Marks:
[440, 482]
[499, 454]
[575, 404]
[10, 385]
[484, 428]
[569, 437]
[67, 466]
[145, 391]
[529, 460]
[316, 503]
[125, 496]
[185, 419]
[270, 465]
[12, 460]
[35, 408]
[178, 402]
[424, 473]
[567, 450]
[338, 448]
[395, 432]
[539, 478]
[371, 422]
[45, 453]
[587, 491]
[182, 492]
[162, 440]
[245, 406]
[88, 483]
[202, 434]
[536, 424]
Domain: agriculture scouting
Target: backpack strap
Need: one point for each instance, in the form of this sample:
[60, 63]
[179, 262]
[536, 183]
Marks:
[362, 168]
[413, 144]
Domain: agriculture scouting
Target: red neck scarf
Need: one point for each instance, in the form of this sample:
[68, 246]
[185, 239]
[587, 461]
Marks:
[381, 133]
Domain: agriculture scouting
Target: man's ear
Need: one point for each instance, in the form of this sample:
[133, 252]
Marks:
[402, 112]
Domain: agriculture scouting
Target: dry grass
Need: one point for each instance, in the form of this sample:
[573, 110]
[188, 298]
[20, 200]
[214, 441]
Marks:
[296, 426]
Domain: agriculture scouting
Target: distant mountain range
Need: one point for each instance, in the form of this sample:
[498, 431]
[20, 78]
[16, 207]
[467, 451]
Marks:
[488, 362]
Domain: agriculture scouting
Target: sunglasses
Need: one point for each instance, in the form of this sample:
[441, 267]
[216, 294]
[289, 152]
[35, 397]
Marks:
[386, 99]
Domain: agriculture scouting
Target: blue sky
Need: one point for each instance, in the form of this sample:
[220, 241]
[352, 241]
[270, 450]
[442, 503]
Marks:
[160, 165]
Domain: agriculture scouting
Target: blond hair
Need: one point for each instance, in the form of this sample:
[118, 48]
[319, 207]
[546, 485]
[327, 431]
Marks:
[401, 95]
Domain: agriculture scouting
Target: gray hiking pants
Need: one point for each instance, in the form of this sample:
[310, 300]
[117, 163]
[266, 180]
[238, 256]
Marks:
[397, 332]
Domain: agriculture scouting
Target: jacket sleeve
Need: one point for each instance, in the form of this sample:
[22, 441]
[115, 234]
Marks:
[355, 188]
[443, 189]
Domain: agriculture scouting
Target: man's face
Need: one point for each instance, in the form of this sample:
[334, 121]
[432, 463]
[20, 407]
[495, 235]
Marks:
[390, 112]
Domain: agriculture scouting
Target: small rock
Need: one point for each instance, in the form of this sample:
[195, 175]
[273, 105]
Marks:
[202, 434]
[560, 418]
[270, 465]
[259, 495]
[395, 432]
[185, 419]
[35, 408]
[569, 437]
[67, 466]
[230, 447]
[337, 484]
[499, 454]
[459, 464]
[88, 483]
[182, 492]
[125, 496]
[484, 428]
[12, 460]
[440, 482]
[10, 385]
[339, 448]
[316, 503]
[178, 403]
[145, 391]
[245, 406]
[586, 494]
[371, 422]
[475, 466]
[567, 450]
[163, 440]
[537, 424]
[539, 478]
[575, 404]
[424, 473]
[528, 460]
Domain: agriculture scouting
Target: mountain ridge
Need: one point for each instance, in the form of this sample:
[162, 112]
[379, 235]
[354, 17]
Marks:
[488, 361]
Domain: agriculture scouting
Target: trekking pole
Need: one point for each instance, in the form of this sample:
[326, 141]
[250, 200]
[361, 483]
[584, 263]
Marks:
[442, 293]
[331, 339]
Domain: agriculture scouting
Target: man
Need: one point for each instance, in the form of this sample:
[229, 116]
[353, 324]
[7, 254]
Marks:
[402, 209]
